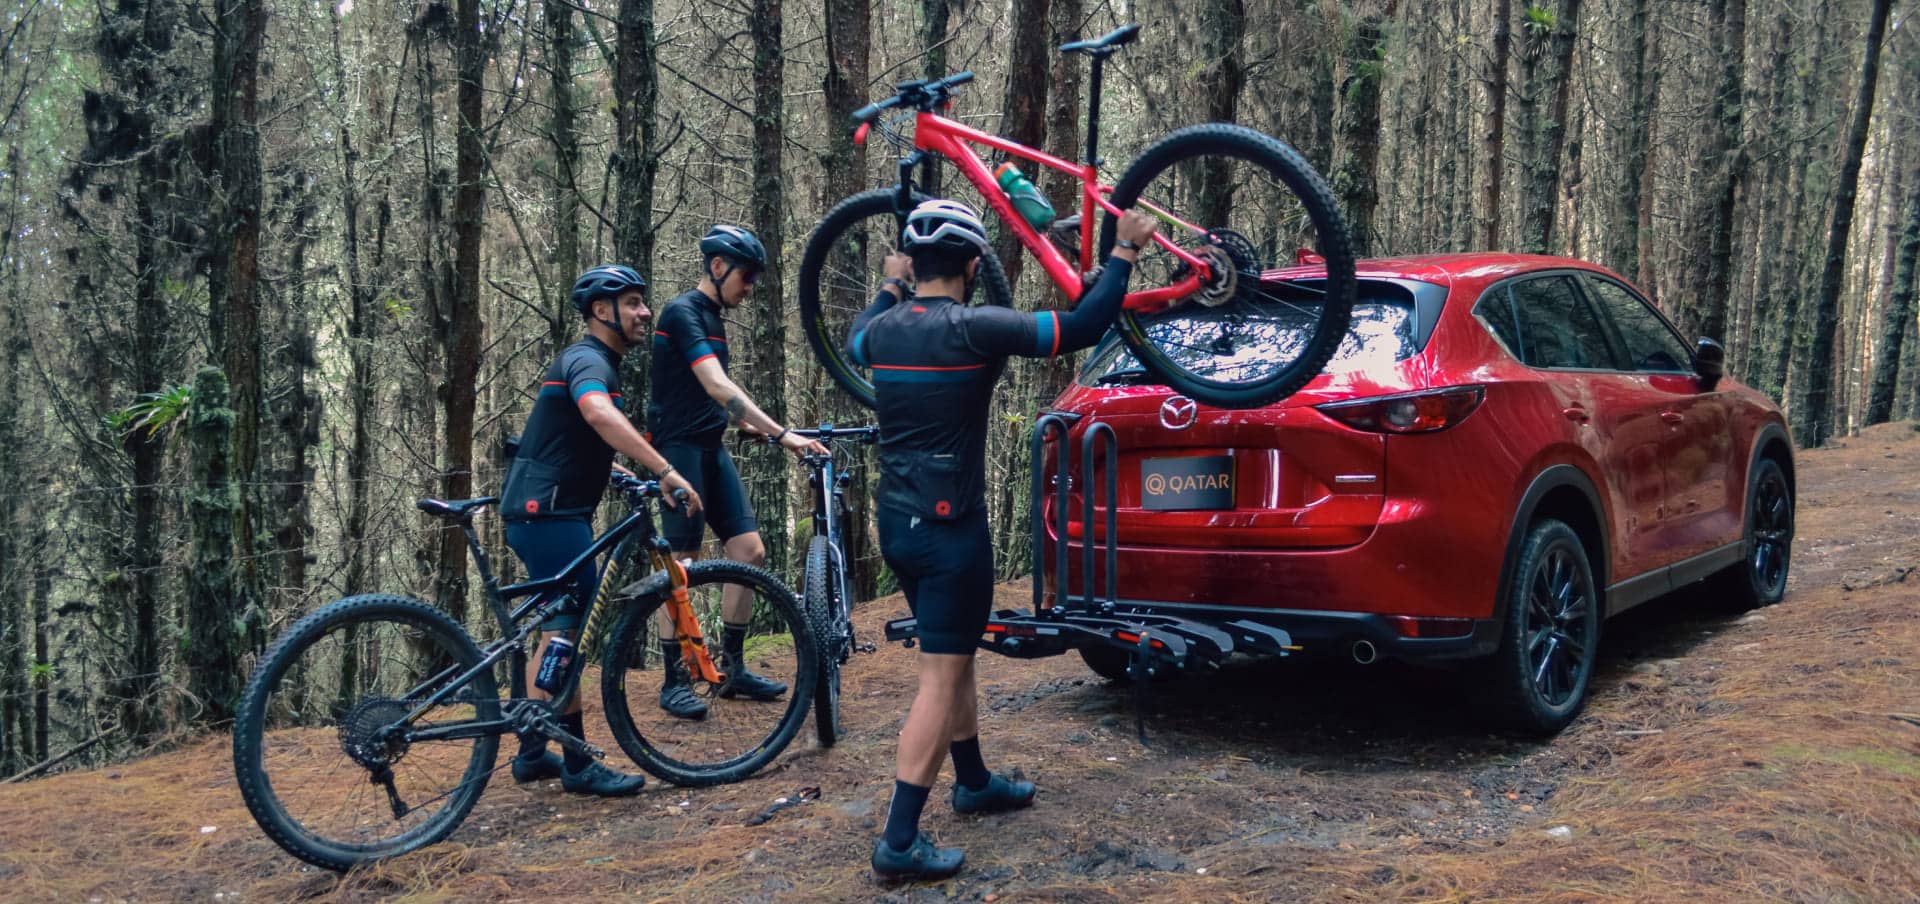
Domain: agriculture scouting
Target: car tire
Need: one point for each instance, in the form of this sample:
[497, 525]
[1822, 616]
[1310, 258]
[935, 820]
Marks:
[1760, 577]
[1541, 673]
[1107, 662]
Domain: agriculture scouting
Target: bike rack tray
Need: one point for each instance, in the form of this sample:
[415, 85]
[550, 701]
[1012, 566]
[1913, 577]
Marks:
[1156, 643]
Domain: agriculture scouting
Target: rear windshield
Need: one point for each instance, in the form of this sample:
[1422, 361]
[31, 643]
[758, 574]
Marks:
[1382, 332]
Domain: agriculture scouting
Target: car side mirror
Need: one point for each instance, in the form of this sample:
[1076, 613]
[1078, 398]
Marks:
[1709, 362]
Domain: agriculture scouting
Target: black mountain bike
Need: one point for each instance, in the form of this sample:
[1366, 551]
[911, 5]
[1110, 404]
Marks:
[371, 726]
[825, 589]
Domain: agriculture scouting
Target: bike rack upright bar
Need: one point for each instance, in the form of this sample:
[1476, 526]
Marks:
[1049, 427]
[1089, 442]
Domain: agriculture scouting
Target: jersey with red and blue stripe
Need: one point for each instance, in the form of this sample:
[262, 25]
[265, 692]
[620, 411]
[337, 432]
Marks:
[688, 331]
[562, 466]
[934, 362]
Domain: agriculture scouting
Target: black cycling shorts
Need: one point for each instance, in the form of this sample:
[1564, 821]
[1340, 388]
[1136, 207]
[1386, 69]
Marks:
[946, 570]
[546, 545]
[723, 498]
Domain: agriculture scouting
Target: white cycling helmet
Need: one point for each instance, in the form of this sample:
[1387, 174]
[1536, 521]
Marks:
[948, 225]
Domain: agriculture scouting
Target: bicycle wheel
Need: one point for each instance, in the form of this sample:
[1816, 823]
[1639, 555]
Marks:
[840, 275]
[1257, 331]
[826, 618]
[738, 735]
[320, 763]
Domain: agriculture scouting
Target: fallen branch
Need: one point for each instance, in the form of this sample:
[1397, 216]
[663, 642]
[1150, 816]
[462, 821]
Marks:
[1909, 718]
[57, 760]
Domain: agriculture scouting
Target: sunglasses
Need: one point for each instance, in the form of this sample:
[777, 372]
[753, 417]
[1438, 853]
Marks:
[748, 277]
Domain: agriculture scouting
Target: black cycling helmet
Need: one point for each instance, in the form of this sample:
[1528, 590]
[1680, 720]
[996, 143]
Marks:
[734, 243]
[604, 281]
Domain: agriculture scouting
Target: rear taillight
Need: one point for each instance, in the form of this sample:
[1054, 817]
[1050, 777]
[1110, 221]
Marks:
[1412, 412]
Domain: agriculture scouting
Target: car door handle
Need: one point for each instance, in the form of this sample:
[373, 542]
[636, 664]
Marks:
[1672, 417]
[1576, 414]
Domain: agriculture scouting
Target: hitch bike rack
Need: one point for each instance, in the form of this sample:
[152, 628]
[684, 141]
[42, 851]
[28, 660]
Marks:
[1156, 644]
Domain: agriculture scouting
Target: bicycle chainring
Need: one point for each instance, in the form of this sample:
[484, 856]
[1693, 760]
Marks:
[371, 733]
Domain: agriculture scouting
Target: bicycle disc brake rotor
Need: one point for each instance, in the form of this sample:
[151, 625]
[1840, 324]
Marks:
[1228, 255]
[370, 734]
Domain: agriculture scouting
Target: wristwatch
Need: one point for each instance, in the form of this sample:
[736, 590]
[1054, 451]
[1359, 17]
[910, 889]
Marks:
[905, 290]
[1123, 243]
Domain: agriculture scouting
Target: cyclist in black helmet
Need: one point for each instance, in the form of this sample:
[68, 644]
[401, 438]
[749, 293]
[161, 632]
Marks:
[692, 403]
[557, 478]
[935, 362]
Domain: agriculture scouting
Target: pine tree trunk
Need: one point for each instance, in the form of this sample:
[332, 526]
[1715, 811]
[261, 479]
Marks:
[1495, 144]
[299, 419]
[1726, 160]
[564, 134]
[1053, 376]
[766, 381]
[1812, 412]
[1023, 110]
[1546, 134]
[849, 44]
[636, 160]
[461, 347]
[1357, 126]
[1623, 253]
[213, 647]
[1897, 316]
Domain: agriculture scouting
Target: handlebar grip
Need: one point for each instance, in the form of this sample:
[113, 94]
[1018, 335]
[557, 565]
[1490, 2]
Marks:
[867, 113]
[957, 79]
[680, 497]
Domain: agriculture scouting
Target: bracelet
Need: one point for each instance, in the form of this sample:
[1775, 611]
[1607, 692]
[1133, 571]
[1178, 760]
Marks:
[663, 474]
[905, 290]
[1123, 243]
[782, 434]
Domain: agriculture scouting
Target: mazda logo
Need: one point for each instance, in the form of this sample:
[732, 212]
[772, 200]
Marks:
[1177, 412]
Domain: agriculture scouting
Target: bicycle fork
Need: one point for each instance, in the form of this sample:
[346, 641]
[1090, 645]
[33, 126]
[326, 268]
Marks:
[693, 643]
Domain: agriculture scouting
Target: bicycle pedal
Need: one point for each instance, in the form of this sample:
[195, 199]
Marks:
[865, 648]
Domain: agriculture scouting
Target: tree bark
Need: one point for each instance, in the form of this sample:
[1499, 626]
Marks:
[767, 379]
[1898, 313]
[564, 135]
[1496, 141]
[1357, 125]
[213, 646]
[1623, 253]
[848, 32]
[636, 160]
[462, 348]
[1812, 414]
[1726, 160]
[1545, 135]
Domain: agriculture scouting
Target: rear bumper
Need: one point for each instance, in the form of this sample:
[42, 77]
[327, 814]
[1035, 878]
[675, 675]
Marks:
[1323, 633]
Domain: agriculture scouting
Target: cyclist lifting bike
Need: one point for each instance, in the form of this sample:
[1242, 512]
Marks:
[1234, 205]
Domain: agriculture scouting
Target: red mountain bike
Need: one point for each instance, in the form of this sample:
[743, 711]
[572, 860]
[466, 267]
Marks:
[1206, 313]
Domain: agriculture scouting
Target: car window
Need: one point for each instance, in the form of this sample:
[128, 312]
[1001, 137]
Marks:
[1557, 326]
[1651, 344]
[1381, 332]
[1496, 311]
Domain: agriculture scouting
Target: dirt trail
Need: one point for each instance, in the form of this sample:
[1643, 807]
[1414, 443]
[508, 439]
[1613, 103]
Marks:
[1749, 758]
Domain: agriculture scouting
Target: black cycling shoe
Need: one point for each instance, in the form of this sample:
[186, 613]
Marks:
[679, 701]
[745, 683]
[1000, 795]
[539, 768]
[600, 781]
[921, 860]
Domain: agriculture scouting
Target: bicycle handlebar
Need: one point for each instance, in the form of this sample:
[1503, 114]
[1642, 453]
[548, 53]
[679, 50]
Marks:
[917, 92]
[646, 489]
[843, 434]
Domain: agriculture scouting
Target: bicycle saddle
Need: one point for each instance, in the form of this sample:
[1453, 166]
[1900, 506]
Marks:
[1106, 45]
[453, 509]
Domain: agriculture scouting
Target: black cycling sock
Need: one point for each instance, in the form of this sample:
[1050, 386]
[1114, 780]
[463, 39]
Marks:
[733, 639]
[670, 662]
[903, 815]
[576, 724]
[532, 746]
[968, 768]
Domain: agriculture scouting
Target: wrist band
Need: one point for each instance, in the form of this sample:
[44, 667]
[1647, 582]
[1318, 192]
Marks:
[782, 434]
[1123, 243]
[670, 469]
[905, 290]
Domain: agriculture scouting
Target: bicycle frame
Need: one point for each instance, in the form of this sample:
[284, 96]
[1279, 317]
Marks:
[952, 140]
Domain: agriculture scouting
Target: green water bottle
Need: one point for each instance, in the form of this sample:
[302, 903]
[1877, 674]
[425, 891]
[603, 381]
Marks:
[1027, 199]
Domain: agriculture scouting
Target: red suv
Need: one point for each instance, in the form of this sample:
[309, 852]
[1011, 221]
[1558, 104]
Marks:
[1505, 450]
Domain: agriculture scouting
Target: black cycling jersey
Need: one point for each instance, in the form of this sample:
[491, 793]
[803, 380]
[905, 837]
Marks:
[934, 363]
[688, 331]
[562, 466]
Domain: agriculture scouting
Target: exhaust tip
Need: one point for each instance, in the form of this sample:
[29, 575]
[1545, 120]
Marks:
[1364, 652]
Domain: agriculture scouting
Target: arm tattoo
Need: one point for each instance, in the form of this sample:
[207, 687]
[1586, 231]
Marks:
[737, 410]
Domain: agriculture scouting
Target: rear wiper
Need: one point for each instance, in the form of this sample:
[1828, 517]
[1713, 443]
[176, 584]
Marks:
[1124, 375]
